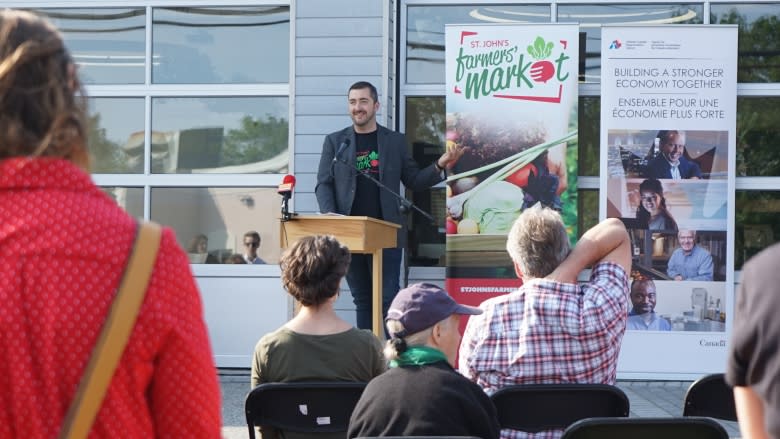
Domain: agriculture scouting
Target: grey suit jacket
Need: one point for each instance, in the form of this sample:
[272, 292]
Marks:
[335, 188]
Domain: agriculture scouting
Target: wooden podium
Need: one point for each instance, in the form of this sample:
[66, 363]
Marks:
[361, 234]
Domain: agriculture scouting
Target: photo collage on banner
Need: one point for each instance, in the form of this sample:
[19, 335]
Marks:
[668, 121]
[511, 101]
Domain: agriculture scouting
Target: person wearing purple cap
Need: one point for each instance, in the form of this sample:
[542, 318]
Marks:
[552, 329]
[422, 394]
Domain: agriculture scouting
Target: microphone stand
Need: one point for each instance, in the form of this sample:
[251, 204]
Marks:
[405, 204]
[286, 214]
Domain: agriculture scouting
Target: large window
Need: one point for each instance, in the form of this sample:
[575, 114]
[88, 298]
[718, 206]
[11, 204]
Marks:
[222, 45]
[758, 108]
[189, 115]
[592, 16]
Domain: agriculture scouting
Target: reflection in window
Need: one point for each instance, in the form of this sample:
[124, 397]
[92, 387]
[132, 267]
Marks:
[589, 123]
[107, 44]
[221, 45]
[131, 199]
[588, 208]
[425, 33]
[590, 17]
[222, 216]
[758, 134]
[220, 135]
[425, 132]
[116, 134]
[758, 58]
[756, 223]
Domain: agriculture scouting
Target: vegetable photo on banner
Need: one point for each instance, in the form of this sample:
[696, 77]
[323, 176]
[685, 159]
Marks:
[492, 200]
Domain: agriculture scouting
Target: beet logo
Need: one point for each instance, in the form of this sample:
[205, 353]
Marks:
[542, 70]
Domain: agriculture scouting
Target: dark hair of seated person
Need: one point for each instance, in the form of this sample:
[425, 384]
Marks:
[313, 267]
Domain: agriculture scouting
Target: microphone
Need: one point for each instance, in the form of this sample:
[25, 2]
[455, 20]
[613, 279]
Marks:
[344, 145]
[288, 183]
[285, 190]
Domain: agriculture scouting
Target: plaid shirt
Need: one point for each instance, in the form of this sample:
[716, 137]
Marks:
[548, 332]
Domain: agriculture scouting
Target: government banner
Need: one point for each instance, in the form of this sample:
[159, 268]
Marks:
[668, 136]
[512, 103]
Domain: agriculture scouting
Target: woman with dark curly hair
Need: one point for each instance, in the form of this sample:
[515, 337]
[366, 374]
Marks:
[652, 207]
[317, 344]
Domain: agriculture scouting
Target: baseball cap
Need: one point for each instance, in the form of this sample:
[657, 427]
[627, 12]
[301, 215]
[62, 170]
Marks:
[420, 306]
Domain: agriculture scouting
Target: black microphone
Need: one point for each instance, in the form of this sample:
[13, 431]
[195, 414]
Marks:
[344, 145]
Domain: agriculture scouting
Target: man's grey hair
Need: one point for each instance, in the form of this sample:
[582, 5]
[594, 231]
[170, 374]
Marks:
[691, 231]
[538, 242]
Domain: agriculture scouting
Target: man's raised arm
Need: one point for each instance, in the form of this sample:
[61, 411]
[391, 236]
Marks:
[606, 241]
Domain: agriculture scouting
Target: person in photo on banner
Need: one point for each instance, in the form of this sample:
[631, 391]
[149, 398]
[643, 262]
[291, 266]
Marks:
[64, 248]
[642, 315]
[366, 147]
[552, 330]
[690, 261]
[652, 208]
[422, 394]
[671, 162]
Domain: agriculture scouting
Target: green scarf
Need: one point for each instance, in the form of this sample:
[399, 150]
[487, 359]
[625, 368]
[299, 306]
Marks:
[418, 356]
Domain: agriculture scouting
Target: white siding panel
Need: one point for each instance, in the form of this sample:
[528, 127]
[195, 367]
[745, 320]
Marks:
[331, 85]
[309, 143]
[341, 27]
[322, 66]
[339, 46]
[307, 162]
[322, 105]
[339, 8]
[305, 182]
[320, 124]
[306, 202]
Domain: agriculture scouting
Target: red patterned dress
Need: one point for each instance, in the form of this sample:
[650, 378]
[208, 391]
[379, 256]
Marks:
[63, 248]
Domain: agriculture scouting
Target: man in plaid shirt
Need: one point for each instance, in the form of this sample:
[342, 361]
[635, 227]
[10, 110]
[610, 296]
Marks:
[552, 330]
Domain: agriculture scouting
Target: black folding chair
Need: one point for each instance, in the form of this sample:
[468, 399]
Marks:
[646, 428]
[710, 396]
[302, 407]
[417, 437]
[537, 407]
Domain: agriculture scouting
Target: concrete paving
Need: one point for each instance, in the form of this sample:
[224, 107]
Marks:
[647, 398]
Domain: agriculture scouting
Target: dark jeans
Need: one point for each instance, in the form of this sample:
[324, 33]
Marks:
[359, 280]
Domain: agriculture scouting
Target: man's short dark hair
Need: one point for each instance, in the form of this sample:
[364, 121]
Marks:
[360, 85]
[665, 135]
[254, 235]
[642, 281]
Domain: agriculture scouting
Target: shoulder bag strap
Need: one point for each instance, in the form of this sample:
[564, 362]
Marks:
[114, 335]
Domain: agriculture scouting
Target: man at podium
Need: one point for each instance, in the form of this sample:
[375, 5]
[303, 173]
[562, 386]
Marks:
[381, 156]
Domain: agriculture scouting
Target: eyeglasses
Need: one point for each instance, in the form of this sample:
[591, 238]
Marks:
[649, 198]
[252, 244]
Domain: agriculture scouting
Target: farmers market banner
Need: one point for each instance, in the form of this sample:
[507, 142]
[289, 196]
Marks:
[668, 136]
[512, 102]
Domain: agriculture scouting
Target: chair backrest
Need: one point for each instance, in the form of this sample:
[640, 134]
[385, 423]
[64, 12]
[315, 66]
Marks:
[303, 407]
[417, 437]
[538, 407]
[646, 428]
[710, 396]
